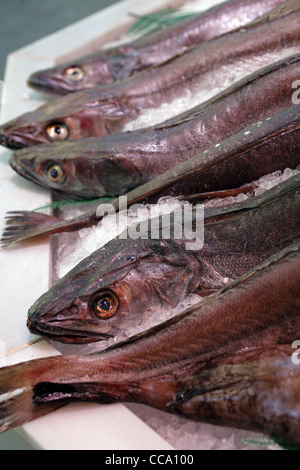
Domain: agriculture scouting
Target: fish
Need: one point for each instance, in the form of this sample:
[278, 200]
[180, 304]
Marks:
[115, 164]
[189, 79]
[104, 295]
[260, 149]
[118, 63]
[227, 361]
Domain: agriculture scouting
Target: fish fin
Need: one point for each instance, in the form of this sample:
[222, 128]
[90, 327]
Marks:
[218, 383]
[195, 395]
[20, 410]
[16, 398]
[222, 194]
[23, 225]
[112, 109]
[279, 11]
[205, 292]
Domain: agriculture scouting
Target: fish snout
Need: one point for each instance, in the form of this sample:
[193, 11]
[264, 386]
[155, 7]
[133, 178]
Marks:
[22, 157]
[36, 81]
[54, 82]
[10, 141]
[20, 132]
[71, 325]
[42, 81]
[23, 165]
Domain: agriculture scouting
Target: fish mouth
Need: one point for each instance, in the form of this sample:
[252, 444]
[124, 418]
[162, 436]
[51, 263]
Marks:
[42, 85]
[55, 332]
[50, 85]
[15, 141]
[12, 142]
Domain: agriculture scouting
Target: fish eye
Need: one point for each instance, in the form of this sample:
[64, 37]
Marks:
[58, 131]
[74, 73]
[55, 173]
[105, 305]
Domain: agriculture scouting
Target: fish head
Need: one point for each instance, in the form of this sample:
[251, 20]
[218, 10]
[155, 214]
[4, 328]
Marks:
[74, 116]
[86, 168]
[114, 290]
[73, 76]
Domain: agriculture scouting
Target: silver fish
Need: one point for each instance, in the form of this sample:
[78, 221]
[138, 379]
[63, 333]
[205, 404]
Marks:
[115, 64]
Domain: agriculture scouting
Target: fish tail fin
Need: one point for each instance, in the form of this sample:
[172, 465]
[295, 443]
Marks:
[24, 225]
[20, 409]
[16, 393]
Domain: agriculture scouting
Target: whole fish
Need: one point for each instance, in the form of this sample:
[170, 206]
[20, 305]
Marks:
[117, 63]
[115, 164]
[105, 294]
[107, 110]
[256, 151]
[226, 361]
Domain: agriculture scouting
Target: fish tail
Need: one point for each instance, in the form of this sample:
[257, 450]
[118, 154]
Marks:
[24, 225]
[20, 409]
[35, 388]
[16, 392]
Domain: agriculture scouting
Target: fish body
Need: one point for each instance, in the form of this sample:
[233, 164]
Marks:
[268, 146]
[130, 276]
[115, 164]
[118, 63]
[109, 109]
[226, 361]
